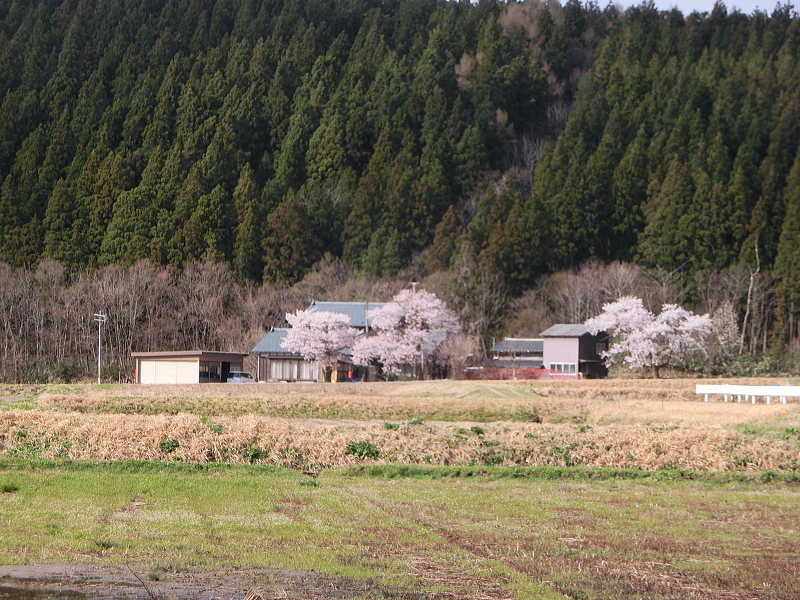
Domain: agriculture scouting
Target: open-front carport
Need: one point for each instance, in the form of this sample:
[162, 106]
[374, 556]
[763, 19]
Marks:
[189, 366]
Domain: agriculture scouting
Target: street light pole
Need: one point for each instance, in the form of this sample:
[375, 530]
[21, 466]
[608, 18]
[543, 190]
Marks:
[100, 318]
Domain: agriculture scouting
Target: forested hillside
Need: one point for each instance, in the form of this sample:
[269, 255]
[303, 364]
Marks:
[266, 132]
[682, 153]
[485, 148]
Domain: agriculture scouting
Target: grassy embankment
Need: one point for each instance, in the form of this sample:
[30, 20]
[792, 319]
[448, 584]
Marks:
[394, 523]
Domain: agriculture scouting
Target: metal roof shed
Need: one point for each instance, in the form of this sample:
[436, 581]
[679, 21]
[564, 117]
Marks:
[186, 366]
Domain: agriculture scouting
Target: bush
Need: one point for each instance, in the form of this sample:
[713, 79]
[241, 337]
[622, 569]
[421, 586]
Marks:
[362, 450]
[168, 446]
[252, 454]
[66, 373]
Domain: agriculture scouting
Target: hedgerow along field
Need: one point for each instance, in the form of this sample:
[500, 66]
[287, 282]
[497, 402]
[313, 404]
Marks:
[465, 489]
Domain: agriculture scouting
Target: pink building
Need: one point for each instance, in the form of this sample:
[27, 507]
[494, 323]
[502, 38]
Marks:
[572, 350]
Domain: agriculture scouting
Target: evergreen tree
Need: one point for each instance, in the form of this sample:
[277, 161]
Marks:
[444, 242]
[130, 230]
[58, 223]
[787, 262]
[247, 242]
[369, 197]
[666, 239]
[629, 193]
[9, 217]
[290, 248]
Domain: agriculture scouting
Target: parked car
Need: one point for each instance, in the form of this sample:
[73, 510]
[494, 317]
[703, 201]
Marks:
[240, 377]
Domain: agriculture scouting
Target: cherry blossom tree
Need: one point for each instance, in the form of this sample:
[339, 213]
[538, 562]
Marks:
[320, 335]
[642, 339]
[406, 331]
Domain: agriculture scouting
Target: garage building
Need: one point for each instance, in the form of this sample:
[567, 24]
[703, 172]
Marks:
[190, 366]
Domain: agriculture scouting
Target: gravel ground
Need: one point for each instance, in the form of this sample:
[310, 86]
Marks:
[106, 582]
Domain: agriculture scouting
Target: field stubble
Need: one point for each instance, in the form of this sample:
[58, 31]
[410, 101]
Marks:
[645, 424]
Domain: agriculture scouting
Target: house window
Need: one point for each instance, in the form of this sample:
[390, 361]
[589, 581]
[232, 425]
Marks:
[570, 368]
[292, 369]
[601, 347]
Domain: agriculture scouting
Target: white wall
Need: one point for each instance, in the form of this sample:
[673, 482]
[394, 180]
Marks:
[560, 350]
[169, 371]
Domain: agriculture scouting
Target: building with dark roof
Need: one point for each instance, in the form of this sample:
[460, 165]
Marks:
[357, 311]
[518, 353]
[275, 363]
[571, 349]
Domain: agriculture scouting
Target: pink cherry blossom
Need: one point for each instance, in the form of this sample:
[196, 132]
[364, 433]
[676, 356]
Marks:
[642, 339]
[406, 330]
[319, 335]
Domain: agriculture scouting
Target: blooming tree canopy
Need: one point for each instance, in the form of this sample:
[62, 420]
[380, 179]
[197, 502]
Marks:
[319, 335]
[643, 339]
[407, 330]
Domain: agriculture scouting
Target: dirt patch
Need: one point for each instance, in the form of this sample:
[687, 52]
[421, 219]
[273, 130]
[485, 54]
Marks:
[95, 582]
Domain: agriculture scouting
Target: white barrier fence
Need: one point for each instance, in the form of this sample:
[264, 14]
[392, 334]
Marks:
[751, 392]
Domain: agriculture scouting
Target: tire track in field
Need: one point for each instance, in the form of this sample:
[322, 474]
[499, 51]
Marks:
[451, 574]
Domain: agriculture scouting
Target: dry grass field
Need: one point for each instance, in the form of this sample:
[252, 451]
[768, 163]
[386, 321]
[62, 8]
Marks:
[647, 424]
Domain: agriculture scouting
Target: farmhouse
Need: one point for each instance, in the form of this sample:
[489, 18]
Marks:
[518, 353]
[190, 366]
[571, 349]
[275, 363]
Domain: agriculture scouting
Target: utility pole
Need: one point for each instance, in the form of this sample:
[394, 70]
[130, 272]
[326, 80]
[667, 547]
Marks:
[414, 285]
[100, 318]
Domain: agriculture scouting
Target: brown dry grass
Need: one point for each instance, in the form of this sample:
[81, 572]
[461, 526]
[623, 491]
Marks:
[318, 444]
[649, 424]
[623, 401]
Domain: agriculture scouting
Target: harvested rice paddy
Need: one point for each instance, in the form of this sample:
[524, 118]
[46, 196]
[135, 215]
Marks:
[617, 489]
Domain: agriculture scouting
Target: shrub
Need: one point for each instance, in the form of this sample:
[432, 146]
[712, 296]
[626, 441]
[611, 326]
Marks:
[169, 445]
[362, 450]
[391, 425]
[252, 454]
[491, 458]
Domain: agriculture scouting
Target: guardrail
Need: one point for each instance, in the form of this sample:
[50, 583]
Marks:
[750, 393]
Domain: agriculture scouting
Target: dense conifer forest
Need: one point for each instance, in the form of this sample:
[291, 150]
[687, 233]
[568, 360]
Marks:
[513, 156]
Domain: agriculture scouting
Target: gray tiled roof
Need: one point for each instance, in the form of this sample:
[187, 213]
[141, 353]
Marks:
[357, 311]
[519, 346]
[271, 343]
[566, 330]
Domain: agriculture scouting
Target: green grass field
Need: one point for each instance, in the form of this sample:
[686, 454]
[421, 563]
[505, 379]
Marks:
[469, 533]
